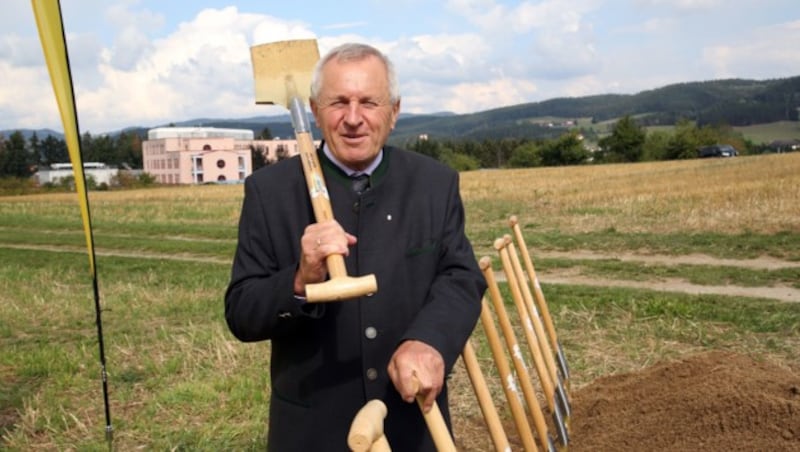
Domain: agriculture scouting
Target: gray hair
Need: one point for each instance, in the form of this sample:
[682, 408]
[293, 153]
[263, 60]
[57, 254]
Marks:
[354, 52]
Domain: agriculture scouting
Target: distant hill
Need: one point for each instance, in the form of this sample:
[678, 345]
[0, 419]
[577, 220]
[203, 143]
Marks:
[736, 102]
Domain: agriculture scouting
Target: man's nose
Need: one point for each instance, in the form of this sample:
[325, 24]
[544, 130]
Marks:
[353, 114]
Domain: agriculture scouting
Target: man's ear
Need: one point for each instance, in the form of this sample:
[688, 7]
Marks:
[314, 111]
[395, 113]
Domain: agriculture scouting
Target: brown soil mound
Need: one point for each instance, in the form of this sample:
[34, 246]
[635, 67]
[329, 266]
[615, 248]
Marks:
[716, 401]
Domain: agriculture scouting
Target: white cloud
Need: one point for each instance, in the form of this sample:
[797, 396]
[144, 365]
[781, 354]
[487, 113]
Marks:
[467, 97]
[758, 53]
[202, 69]
[686, 5]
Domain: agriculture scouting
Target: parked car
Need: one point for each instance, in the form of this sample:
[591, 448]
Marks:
[717, 150]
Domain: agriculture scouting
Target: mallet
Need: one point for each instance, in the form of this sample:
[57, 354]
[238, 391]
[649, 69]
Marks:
[282, 72]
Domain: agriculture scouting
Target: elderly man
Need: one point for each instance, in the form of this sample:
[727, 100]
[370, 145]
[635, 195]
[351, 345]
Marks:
[405, 226]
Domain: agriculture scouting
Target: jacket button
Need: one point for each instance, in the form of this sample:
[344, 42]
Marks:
[356, 205]
[372, 374]
[371, 333]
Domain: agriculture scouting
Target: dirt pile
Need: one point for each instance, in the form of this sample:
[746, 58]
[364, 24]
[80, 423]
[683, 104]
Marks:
[716, 401]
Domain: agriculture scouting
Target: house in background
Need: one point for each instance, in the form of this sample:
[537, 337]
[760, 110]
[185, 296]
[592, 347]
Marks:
[197, 155]
[100, 172]
[194, 155]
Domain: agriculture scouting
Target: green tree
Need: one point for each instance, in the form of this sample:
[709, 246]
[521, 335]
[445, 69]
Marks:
[625, 142]
[35, 148]
[257, 156]
[525, 156]
[655, 146]
[684, 142]
[566, 150]
[428, 147]
[53, 150]
[265, 134]
[15, 160]
[127, 150]
[100, 149]
[458, 162]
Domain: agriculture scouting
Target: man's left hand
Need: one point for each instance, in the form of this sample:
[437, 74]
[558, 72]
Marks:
[416, 368]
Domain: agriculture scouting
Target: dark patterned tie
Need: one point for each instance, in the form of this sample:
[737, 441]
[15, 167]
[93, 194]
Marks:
[360, 183]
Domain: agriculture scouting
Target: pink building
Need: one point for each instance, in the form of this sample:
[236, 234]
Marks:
[196, 155]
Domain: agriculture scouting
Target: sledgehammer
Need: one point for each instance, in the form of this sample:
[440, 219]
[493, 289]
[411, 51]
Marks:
[282, 72]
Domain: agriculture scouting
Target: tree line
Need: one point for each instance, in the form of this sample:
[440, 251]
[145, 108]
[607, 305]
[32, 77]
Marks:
[628, 141]
[21, 158]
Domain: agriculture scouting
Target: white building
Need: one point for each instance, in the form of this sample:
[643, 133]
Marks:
[100, 172]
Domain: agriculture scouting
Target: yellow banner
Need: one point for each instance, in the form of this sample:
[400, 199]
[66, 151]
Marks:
[51, 33]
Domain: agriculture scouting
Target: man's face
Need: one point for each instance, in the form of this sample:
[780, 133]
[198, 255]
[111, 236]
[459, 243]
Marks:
[354, 110]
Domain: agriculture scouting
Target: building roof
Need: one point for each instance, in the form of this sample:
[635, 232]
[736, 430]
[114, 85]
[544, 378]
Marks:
[199, 132]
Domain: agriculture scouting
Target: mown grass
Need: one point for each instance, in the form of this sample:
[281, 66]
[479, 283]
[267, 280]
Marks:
[179, 381]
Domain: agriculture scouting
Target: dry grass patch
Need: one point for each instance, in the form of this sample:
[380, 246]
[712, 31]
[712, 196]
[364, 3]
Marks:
[721, 195]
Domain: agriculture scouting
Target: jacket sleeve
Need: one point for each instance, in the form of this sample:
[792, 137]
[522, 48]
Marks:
[259, 301]
[453, 305]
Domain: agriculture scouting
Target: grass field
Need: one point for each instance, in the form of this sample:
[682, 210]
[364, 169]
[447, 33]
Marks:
[179, 381]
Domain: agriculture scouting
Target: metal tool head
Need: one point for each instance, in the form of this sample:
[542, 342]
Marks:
[282, 70]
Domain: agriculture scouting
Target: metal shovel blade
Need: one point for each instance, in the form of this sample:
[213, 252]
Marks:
[282, 70]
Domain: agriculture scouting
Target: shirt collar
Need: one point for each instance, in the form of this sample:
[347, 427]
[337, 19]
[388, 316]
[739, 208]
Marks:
[350, 172]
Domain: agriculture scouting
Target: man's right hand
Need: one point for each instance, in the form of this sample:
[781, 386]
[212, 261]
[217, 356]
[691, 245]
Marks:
[319, 241]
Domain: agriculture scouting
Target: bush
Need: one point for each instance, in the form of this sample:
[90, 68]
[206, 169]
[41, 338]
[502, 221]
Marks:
[459, 162]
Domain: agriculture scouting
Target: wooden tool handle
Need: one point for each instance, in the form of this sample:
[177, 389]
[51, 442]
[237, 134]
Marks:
[340, 286]
[367, 426]
[318, 191]
[481, 388]
[436, 425]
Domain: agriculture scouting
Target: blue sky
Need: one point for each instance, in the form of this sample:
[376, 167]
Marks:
[148, 63]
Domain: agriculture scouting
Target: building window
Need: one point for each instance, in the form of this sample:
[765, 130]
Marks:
[220, 163]
[206, 147]
[221, 178]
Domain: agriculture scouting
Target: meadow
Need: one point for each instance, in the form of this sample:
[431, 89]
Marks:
[179, 381]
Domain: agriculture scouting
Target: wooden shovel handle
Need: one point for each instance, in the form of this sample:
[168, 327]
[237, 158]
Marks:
[367, 426]
[340, 286]
[436, 425]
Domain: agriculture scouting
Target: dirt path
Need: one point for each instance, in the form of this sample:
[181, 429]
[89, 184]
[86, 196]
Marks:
[783, 293]
[760, 263]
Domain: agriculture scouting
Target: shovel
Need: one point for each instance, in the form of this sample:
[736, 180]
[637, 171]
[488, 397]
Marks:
[282, 72]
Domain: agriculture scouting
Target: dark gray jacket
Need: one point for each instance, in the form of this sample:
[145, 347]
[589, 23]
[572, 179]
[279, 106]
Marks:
[326, 362]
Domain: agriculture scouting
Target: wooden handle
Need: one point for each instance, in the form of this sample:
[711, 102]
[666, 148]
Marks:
[367, 426]
[340, 286]
[380, 445]
[318, 192]
[436, 425]
[540, 299]
[488, 409]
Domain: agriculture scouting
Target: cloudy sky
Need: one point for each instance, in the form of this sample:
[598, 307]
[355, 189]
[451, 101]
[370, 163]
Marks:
[148, 63]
